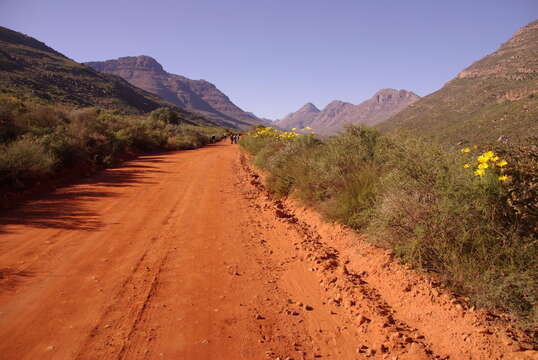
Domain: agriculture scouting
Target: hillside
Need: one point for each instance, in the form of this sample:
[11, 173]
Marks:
[30, 69]
[200, 95]
[337, 114]
[495, 96]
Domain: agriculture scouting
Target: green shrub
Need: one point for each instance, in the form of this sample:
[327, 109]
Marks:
[23, 162]
[166, 115]
[10, 109]
[522, 190]
[57, 139]
[62, 146]
[339, 176]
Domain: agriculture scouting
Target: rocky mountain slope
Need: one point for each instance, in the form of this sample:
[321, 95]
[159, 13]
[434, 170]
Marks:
[337, 114]
[31, 69]
[495, 97]
[200, 95]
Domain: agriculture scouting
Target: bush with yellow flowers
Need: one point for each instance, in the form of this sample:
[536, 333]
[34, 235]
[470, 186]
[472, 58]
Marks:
[265, 132]
[262, 136]
[265, 137]
[269, 132]
[518, 175]
[487, 163]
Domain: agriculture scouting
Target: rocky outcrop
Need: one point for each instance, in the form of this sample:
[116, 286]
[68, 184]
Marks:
[146, 73]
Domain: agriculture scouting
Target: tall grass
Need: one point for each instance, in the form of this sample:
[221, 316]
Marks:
[478, 233]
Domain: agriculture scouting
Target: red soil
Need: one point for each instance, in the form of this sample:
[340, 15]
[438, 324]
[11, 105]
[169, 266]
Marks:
[184, 256]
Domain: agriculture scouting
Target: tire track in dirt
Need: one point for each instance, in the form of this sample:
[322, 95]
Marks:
[368, 314]
[136, 292]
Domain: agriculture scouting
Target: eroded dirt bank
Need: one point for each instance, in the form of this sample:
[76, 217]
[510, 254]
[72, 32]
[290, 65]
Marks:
[183, 256]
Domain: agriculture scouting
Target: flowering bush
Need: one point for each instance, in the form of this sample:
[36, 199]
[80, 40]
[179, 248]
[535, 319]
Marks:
[269, 132]
[487, 160]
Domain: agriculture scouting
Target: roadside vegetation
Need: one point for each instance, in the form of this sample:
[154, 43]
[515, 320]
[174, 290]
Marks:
[41, 142]
[470, 215]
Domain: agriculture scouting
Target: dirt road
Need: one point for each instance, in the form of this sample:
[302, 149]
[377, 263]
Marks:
[183, 256]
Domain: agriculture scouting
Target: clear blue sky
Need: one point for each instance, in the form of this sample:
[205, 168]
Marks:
[272, 56]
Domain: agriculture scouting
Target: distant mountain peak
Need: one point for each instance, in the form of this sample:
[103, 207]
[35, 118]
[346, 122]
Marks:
[384, 103]
[309, 107]
[400, 92]
[337, 104]
[133, 63]
[145, 61]
[299, 119]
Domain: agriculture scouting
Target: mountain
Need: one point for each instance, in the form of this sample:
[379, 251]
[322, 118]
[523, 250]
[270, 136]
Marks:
[337, 114]
[299, 119]
[31, 69]
[494, 97]
[200, 95]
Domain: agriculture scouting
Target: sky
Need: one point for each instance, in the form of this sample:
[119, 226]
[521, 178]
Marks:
[273, 56]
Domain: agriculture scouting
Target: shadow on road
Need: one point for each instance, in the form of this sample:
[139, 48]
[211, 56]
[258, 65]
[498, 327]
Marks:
[10, 278]
[66, 208]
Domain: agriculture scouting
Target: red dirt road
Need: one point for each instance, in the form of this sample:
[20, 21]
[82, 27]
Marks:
[183, 256]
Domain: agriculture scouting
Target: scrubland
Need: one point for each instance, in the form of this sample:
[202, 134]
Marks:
[40, 142]
[468, 214]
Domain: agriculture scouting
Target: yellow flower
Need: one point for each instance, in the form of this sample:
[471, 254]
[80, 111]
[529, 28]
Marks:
[483, 166]
[466, 166]
[479, 172]
[293, 129]
[482, 159]
[495, 158]
[307, 128]
[503, 178]
[485, 157]
[488, 155]
[502, 163]
[465, 150]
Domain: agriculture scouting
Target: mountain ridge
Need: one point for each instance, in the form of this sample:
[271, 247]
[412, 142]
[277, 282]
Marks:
[147, 73]
[31, 69]
[337, 114]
